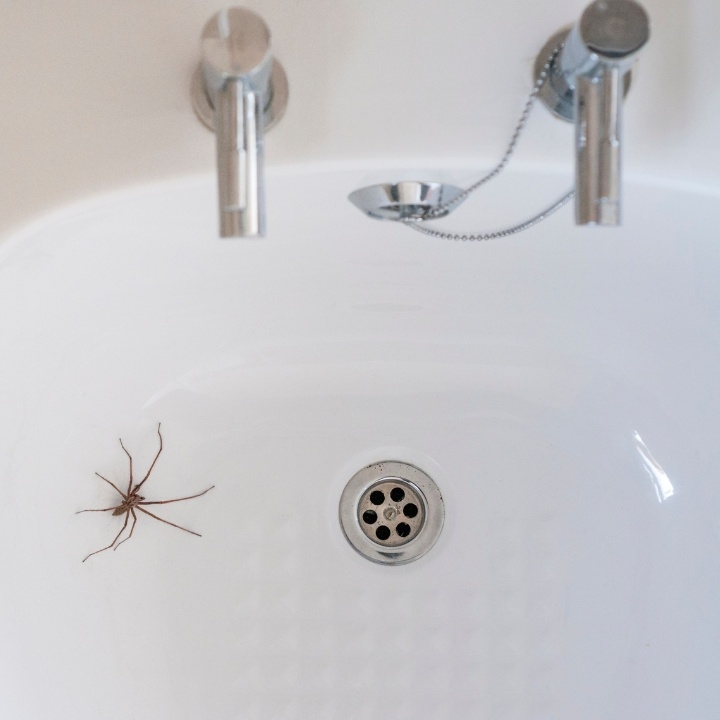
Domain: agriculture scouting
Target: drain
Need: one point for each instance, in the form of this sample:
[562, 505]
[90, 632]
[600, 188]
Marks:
[391, 512]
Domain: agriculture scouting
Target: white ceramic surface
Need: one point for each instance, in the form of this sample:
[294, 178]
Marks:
[561, 387]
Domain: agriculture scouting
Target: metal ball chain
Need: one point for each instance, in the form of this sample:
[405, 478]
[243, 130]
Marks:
[443, 209]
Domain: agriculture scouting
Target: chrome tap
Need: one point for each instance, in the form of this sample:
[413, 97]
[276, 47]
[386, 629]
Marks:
[239, 91]
[586, 84]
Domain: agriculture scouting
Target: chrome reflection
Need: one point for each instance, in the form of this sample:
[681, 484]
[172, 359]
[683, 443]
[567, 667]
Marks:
[661, 482]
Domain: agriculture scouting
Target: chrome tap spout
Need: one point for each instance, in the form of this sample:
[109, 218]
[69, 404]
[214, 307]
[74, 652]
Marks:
[239, 90]
[587, 84]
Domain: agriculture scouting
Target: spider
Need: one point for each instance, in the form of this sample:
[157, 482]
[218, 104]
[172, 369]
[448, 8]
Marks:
[132, 500]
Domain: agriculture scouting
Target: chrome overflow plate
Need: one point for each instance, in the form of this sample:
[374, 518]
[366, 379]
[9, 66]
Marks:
[407, 200]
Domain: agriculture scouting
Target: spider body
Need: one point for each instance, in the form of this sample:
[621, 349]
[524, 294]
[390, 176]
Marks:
[132, 501]
[129, 504]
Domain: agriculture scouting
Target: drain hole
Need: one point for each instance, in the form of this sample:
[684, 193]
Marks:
[370, 517]
[377, 498]
[383, 532]
[397, 494]
[410, 510]
[403, 529]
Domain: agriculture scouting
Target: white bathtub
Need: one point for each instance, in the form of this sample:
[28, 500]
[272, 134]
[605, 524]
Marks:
[562, 388]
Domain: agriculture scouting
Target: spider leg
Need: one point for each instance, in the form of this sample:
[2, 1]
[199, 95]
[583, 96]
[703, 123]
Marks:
[132, 529]
[167, 522]
[122, 529]
[98, 510]
[139, 485]
[164, 502]
[120, 492]
[131, 474]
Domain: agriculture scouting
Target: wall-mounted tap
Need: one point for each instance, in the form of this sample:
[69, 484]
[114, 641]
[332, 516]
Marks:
[586, 84]
[239, 91]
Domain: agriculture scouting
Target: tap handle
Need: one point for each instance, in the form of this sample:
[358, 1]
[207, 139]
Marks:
[235, 45]
[614, 29]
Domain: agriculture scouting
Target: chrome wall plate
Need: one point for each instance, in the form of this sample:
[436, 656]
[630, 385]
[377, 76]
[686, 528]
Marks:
[556, 94]
[274, 106]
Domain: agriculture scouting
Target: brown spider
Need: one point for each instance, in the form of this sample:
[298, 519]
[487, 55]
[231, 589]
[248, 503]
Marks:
[132, 501]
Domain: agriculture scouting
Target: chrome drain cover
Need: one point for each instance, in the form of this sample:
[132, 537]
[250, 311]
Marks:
[391, 512]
